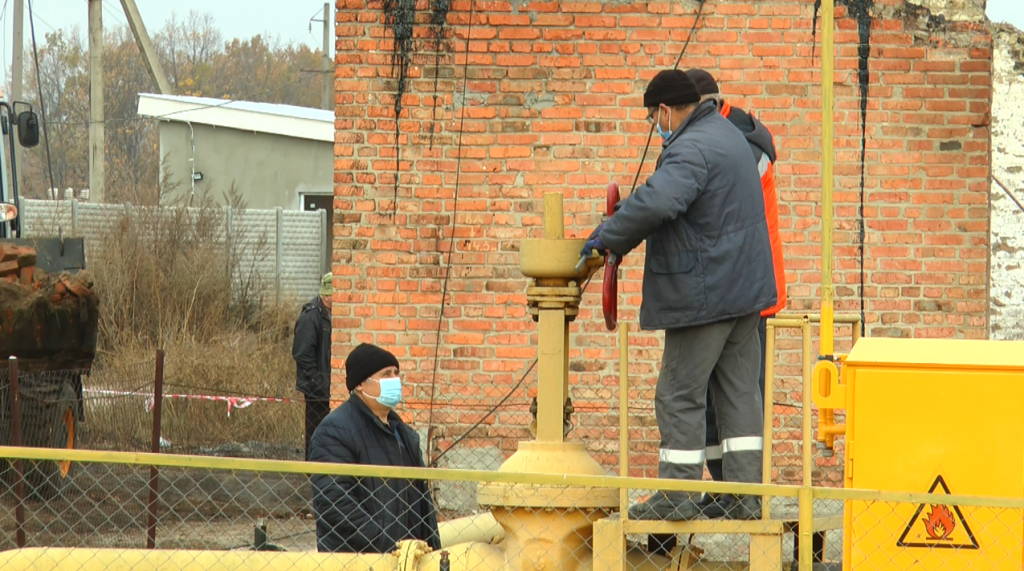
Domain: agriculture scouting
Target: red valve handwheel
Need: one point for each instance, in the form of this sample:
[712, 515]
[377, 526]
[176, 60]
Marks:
[610, 292]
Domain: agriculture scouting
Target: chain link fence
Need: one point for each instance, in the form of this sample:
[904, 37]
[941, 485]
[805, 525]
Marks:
[230, 508]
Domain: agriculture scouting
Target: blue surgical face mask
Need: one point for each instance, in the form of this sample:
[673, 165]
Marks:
[390, 392]
[664, 134]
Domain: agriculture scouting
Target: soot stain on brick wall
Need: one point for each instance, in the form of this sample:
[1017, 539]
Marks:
[398, 17]
[859, 10]
[438, 19]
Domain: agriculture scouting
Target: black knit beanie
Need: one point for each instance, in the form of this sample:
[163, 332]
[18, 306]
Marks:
[364, 361]
[705, 83]
[671, 87]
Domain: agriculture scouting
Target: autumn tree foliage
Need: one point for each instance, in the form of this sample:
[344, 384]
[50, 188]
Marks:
[197, 61]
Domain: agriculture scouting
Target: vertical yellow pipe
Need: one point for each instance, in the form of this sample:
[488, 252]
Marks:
[553, 335]
[554, 226]
[805, 436]
[550, 376]
[624, 417]
[827, 17]
[806, 529]
[769, 412]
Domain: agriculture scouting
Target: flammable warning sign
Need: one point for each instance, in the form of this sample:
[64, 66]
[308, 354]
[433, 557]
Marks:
[938, 526]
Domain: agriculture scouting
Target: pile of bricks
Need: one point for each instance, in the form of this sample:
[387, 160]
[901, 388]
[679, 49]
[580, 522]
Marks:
[18, 263]
[18, 266]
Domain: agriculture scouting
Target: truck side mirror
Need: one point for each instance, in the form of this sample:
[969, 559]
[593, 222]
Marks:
[8, 211]
[28, 129]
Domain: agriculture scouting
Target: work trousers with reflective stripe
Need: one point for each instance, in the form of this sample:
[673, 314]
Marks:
[712, 438]
[729, 349]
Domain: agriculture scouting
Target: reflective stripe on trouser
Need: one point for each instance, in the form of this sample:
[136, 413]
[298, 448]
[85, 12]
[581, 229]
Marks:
[714, 450]
[730, 350]
[738, 444]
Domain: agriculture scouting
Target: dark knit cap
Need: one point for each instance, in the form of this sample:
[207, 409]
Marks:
[364, 361]
[671, 87]
[705, 83]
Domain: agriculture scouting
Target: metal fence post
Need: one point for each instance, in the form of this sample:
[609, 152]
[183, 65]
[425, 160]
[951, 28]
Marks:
[158, 398]
[624, 417]
[806, 529]
[229, 227]
[277, 273]
[324, 246]
[74, 217]
[19, 465]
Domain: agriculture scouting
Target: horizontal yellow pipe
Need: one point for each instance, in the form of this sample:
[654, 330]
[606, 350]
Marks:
[786, 323]
[816, 317]
[849, 494]
[87, 559]
[363, 470]
[480, 528]
[832, 429]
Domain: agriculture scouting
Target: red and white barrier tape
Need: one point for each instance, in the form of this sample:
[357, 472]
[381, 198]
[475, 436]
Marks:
[232, 402]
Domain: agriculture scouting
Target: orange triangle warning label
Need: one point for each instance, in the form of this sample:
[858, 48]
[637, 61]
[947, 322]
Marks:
[938, 526]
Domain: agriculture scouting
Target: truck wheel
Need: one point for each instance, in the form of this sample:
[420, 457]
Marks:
[47, 479]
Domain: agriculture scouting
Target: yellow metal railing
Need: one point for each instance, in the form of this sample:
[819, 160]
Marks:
[451, 474]
[364, 470]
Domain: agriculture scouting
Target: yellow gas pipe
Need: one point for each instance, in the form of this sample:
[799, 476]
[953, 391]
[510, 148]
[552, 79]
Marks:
[825, 371]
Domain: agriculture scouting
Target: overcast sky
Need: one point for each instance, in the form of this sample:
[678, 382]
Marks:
[286, 21]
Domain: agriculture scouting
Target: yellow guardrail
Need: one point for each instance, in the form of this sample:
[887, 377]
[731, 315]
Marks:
[362, 470]
[486, 476]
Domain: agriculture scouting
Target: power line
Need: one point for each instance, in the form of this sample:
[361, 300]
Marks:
[39, 87]
[650, 134]
[3, 41]
[455, 221]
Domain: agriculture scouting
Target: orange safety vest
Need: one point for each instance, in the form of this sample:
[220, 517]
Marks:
[771, 214]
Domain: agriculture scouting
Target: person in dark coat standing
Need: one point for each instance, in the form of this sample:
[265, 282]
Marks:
[311, 350]
[370, 515]
[762, 147]
[707, 276]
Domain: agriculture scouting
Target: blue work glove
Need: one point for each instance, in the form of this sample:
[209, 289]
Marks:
[592, 244]
[597, 231]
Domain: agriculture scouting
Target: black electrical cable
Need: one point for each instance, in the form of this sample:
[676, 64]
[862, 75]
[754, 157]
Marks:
[455, 221]
[433, 461]
[39, 87]
[650, 134]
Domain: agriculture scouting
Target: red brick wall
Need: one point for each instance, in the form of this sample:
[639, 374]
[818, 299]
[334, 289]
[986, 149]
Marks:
[553, 105]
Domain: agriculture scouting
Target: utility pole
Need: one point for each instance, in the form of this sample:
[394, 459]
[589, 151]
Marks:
[96, 146]
[327, 100]
[17, 66]
[156, 72]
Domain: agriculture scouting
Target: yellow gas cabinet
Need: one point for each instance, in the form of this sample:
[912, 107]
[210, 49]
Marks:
[928, 415]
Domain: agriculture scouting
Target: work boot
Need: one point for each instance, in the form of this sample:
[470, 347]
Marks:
[660, 507]
[745, 507]
[715, 506]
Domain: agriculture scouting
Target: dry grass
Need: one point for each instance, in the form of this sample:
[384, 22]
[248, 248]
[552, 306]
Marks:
[166, 280]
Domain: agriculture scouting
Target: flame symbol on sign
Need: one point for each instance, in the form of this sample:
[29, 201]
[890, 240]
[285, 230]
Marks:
[939, 523]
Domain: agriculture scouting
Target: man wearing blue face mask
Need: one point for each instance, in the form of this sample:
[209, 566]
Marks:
[370, 515]
[708, 273]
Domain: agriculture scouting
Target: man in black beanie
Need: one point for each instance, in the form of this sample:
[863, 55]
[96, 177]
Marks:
[707, 276]
[369, 515]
